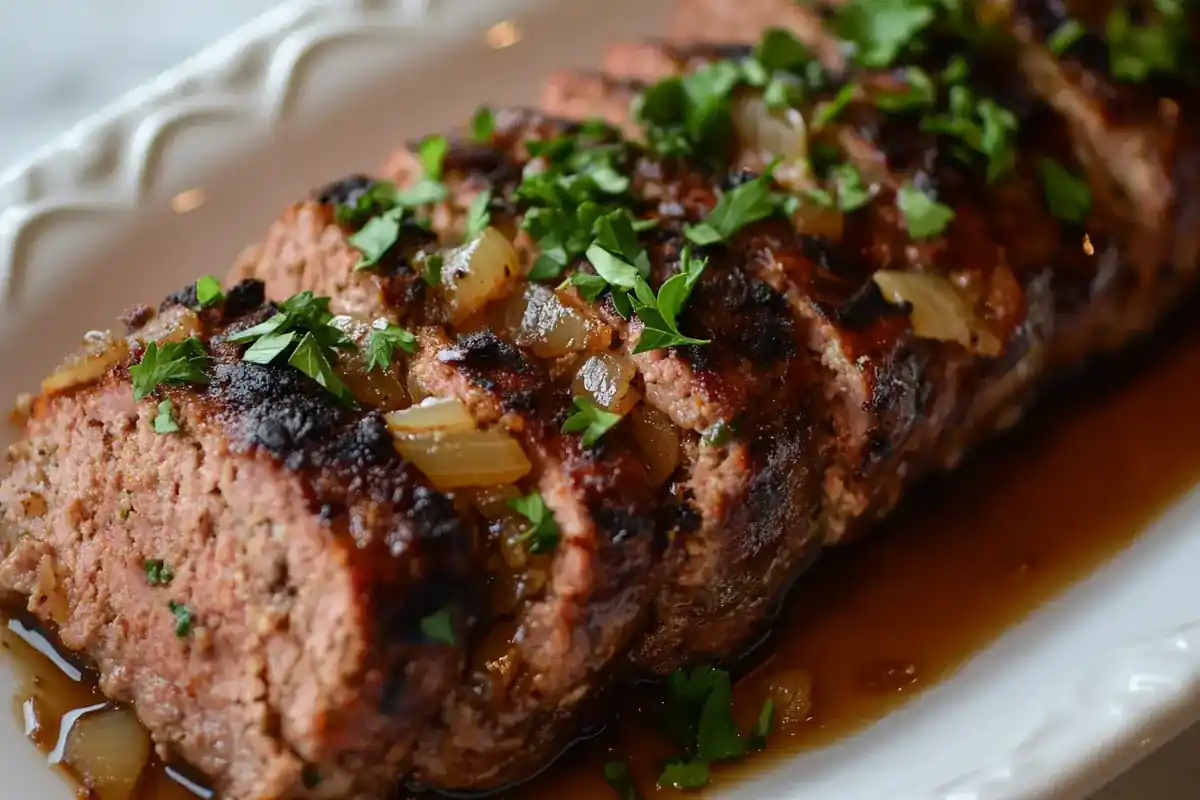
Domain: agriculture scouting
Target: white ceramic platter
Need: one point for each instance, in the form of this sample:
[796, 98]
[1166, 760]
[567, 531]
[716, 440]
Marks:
[322, 88]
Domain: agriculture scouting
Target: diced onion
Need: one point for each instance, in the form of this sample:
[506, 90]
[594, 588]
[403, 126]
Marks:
[432, 415]
[604, 378]
[465, 458]
[100, 351]
[378, 388]
[173, 325]
[541, 321]
[492, 501]
[108, 749]
[813, 219]
[780, 134]
[478, 272]
[939, 310]
[659, 441]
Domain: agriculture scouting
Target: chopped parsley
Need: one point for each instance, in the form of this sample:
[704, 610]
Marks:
[717, 434]
[157, 572]
[164, 421]
[762, 726]
[439, 626]
[1136, 51]
[880, 30]
[429, 189]
[432, 271]
[172, 362]
[589, 286]
[183, 618]
[483, 125]
[375, 200]
[591, 419]
[385, 339]
[699, 717]
[1065, 35]
[616, 255]
[852, 193]
[981, 124]
[659, 315]
[208, 291]
[375, 238]
[616, 774]
[737, 208]
[919, 92]
[543, 533]
[479, 215]
[300, 332]
[691, 115]
[830, 110]
[923, 215]
[1067, 196]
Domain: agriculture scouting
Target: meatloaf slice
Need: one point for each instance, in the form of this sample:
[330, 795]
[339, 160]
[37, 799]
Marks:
[744, 501]
[544, 654]
[274, 590]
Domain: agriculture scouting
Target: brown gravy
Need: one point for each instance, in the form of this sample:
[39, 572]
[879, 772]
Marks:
[875, 623]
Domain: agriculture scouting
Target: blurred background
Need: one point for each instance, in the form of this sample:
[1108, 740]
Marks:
[61, 60]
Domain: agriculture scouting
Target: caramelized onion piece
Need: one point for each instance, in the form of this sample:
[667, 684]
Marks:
[173, 325]
[492, 501]
[780, 134]
[432, 415]
[100, 351]
[460, 459]
[542, 322]
[108, 749]
[480, 271]
[378, 388]
[604, 378]
[939, 310]
[659, 441]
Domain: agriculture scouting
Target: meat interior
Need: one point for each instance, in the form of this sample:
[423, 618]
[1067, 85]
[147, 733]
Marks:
[655, 345]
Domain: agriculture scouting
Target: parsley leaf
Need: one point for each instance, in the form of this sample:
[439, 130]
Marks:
[164, 422]
[543, 533]
[1135, 51]
[880, 30]
[172, 362]
[737, 208]
[762, 726]
[780, 51]
[616, 774]
[377, 237]
[852, 193]
[208, 291]
[183, 618]
[483, 125]
[919, 92]
[829, 110]
[684, 775]
[659, 314]
[157, 572]
[1065, 35]
[439, 626]
[981, 124]
[589, 286]
[429, 189]
[385, 339]
[1068, 197]
[313, 360]
[479, 215]
[590, 418]
[923, 215]
[432, 271]
[378, 198]
[691, 115]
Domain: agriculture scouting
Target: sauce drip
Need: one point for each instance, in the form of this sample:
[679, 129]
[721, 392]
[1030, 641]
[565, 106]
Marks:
[874, 623]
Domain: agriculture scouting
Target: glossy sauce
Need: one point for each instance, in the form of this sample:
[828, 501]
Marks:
[875, 623]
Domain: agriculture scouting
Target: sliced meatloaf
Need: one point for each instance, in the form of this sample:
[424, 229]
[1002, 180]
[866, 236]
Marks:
[274, 590]
[557, 621]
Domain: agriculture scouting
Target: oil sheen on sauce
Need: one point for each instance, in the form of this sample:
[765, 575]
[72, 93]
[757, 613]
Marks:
[875, 623]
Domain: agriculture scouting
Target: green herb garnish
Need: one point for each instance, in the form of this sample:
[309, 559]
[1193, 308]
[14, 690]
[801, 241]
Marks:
[737, 208]
[208, 291]
[183, 618]
[301, 332]
[923, 215]
[1135, 51]
[919, 92]
[659, 315]
[1065, 35]
[429, 189]
[483, 125]
[616, 774]
[431, 273]
[830, 110]
[880, 30]
[684, 774]
[591, 419]
[852, 193]
[479, 214]
[543, 533]
[385, 339]
[164, 421]
[439, 626]
[172, 362]
[762, 726]
[1067, 196]
[157, 572]
[589, 286]
[700, 717]
[377, 237]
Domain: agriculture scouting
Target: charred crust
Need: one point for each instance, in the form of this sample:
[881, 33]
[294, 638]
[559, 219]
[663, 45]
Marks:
[345, 191]
[484, 348]
[185, 297]
[244, 298]
[134, 318]
[619, 525]
[866, 307]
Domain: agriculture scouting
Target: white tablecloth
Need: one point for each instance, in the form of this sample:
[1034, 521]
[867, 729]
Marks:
[63, 59]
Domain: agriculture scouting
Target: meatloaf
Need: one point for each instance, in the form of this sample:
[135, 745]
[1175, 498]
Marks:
[727, 298]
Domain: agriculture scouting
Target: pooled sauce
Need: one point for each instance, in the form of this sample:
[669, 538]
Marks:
[875, 623]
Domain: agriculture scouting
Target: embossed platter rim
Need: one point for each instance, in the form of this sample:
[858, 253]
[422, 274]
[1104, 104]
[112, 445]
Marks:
[318, 88]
